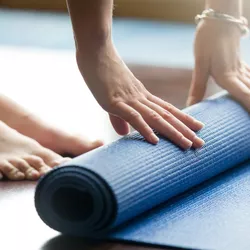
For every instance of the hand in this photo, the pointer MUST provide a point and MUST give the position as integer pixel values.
(217, 54)
(128, 102)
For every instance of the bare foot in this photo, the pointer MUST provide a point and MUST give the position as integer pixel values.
(48, 136)
(22, 157)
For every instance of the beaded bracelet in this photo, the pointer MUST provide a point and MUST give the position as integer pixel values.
(242, 22)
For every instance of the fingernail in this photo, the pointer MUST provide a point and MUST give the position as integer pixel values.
(153, 138)
(198, 142)
(189, 102)
(186, 144)
(199, 124)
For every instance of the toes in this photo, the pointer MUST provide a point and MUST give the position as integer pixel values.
(24, 167)
(59, 162)
(37, 163)
(85, 146)
(97, 144)
(78, 145)
(11, 172)
(50, 158)
(63, 160)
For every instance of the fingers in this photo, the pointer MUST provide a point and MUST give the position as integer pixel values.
(239, 90)
(157, 122)
(120, 126)
(198, 84)
(181, 127)
(247, 67)
(147, 116)
(135, 119)
(247, 73)
(188, 120)
(245, 79)
(244, 74)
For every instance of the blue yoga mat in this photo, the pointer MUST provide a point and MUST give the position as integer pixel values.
(159, 194)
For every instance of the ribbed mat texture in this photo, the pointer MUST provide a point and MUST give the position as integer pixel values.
(132, 190)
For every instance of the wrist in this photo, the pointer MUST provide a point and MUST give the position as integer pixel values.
(229, 7)
(92, 42)
(218, 30)
(91, 59)
(222, 27)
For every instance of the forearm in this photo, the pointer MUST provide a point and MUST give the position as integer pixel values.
(92, 23)
(230, 7)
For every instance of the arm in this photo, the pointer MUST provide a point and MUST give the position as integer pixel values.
(115, 87)
(92, 24)
(217, 54)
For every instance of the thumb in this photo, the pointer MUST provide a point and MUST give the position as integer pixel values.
(121, 127)
(198, 84)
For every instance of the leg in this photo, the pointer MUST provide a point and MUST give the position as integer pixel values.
(28, 124)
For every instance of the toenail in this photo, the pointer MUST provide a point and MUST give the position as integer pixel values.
(19, 175)
(33, 173)
(66, 159)
(45, 170)
(58, 162)
(98, 143)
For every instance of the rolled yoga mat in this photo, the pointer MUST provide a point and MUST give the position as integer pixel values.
(159, 194)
